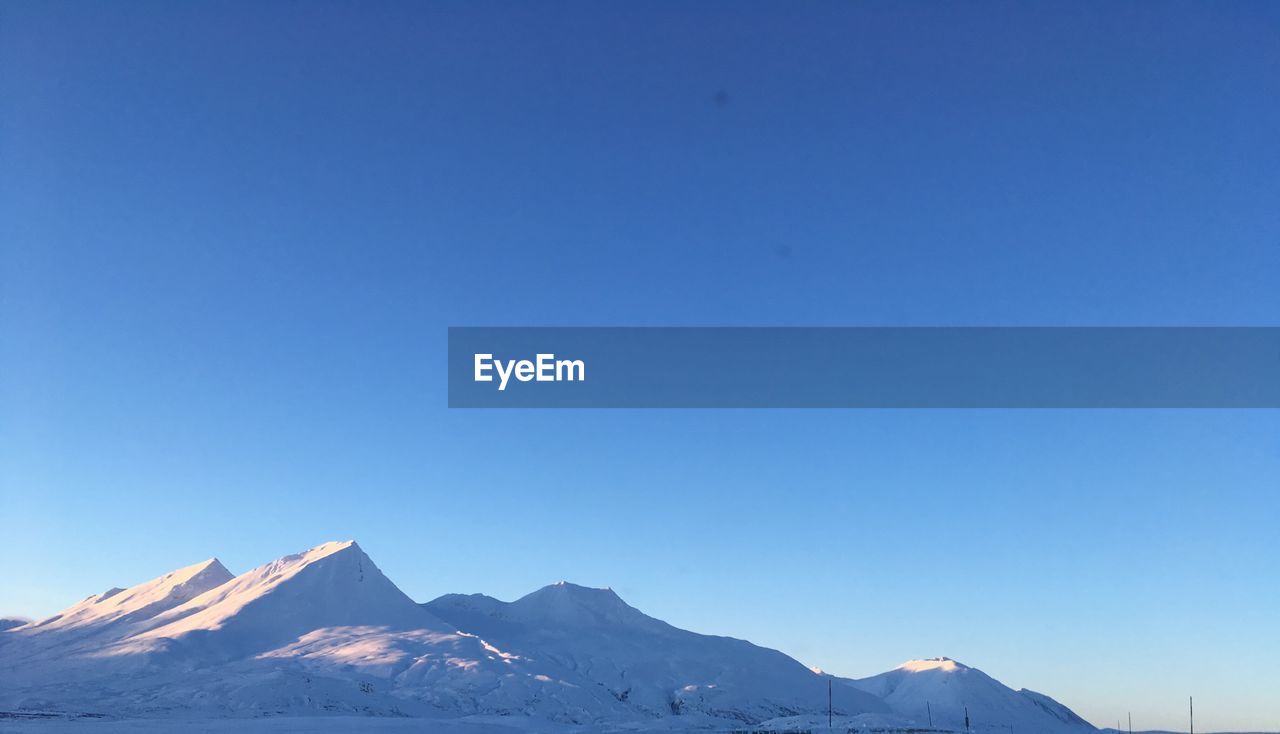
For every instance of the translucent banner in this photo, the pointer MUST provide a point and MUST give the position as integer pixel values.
(864, 367)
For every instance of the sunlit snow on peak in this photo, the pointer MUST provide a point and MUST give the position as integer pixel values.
(944, 664)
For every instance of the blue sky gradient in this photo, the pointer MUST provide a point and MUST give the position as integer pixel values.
(232, 236)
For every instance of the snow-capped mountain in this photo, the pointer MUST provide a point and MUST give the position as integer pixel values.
(98, 621)
(125, 606)
(325, 632)
(645, 662)
(942, 690)
(330, 586)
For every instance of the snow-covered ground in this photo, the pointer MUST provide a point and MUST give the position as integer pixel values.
(322, 640)
(277, 725)
(866, 724)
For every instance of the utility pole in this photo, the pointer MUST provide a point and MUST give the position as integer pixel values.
(1130, 722)
(828, 702)
(1191, 707)
(929, 708)
(966, 720)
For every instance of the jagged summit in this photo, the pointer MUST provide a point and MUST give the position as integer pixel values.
(570, 584)
(568, 587)
(946, 665)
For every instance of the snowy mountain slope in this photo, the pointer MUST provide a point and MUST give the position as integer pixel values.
(646, 662)
(322, 630)
(942, 688)
(325, 633)
(104, 618)
(331, 585)
(8, 623)
(136, 603)
(1056, 710)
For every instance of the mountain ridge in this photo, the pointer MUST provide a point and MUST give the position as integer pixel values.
(324, 630)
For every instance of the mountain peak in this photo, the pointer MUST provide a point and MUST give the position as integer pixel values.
(210, 569)
(331, 585)
(330, 631)
(324, 550)
(951, 694)
(569, 603)
(946, 665)
(141, 602)
(571, 588)
(577, 594)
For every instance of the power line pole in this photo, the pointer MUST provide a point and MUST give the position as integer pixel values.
(828, 702)
(1130, 722)
(1191, 707)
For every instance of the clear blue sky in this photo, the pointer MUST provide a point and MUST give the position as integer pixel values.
(232, 236)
